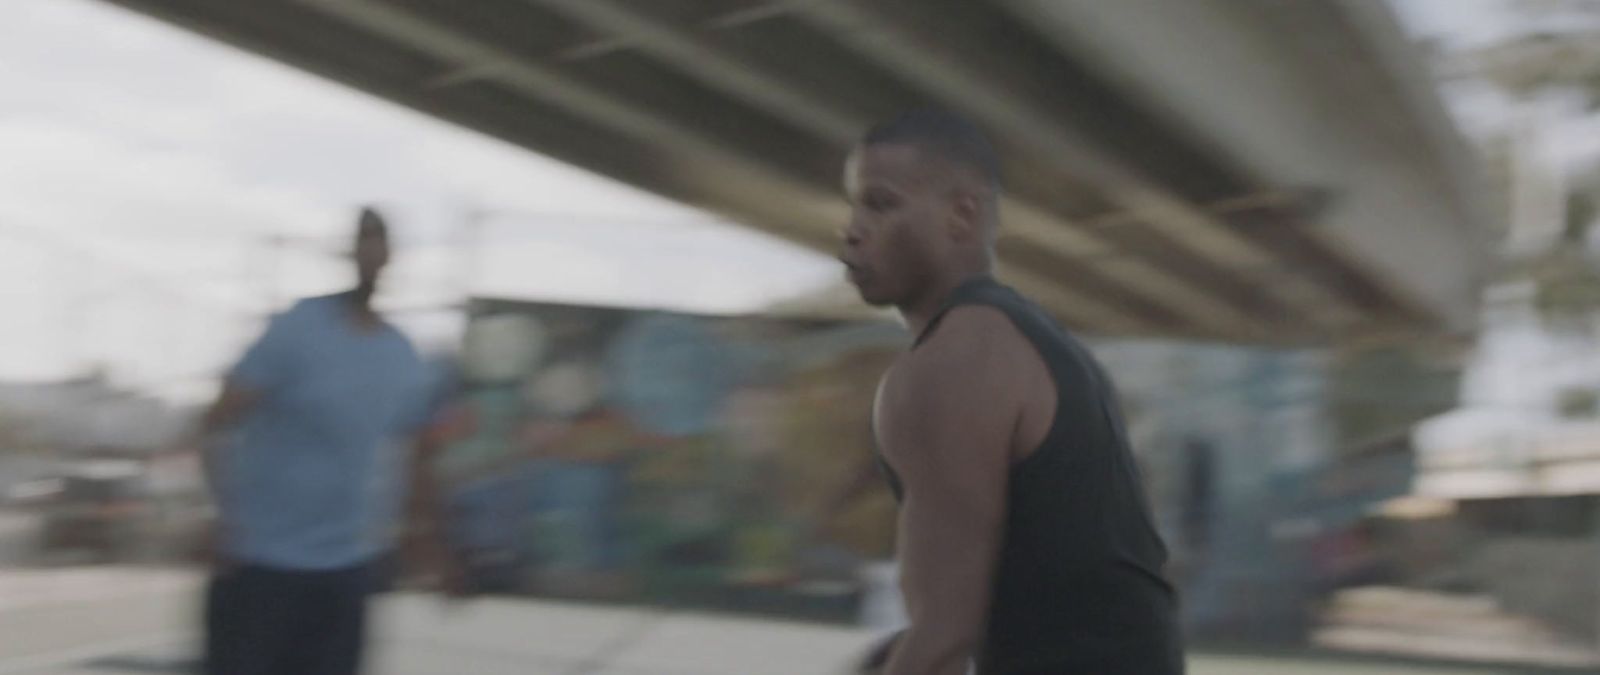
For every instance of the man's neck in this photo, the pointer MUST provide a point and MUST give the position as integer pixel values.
(921, 312)
(360, 304)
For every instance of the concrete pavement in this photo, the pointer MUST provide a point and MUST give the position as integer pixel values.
(108, 621)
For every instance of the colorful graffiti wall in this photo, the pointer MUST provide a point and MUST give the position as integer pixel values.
(651, 456)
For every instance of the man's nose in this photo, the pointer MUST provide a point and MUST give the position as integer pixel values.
(850, 234)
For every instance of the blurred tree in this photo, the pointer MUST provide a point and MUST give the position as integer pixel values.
(9, 440)
(15, 435)
(1534, 64)
(1579, 403)
(1375, 390)
(1560, 56)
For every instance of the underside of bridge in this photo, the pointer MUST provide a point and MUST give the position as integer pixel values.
(1243, 170)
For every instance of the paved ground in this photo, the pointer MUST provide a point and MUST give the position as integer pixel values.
(110, 621)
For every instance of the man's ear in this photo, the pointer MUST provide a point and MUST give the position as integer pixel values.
(851, 180)
(966, 215)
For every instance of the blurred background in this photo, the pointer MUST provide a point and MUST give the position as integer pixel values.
(1339, 256)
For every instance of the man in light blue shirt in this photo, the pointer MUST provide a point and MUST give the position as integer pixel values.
(320, 410)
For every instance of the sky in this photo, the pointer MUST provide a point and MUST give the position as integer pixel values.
(144, 169)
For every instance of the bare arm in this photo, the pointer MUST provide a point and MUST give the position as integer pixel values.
(425, 505)
(949, 414)
(231, 405)
(264, 368)
(863, 478)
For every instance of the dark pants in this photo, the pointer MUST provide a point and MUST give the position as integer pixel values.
(265, 621)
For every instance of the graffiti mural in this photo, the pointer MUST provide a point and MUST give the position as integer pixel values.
(652, 456)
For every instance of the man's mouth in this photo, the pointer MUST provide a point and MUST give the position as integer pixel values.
(854, 271)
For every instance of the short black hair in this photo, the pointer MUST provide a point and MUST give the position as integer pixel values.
(946, 134)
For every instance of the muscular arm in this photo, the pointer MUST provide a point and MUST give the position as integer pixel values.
(949, 412)
(864, 477)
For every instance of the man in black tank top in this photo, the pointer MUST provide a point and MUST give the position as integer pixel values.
(1025, 541)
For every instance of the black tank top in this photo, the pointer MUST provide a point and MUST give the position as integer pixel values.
(1079, 586)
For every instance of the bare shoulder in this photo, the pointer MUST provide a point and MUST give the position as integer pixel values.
(972, 364)
(956, 400)
(970, 340)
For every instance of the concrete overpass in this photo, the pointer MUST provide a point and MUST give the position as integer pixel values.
(1246, 170)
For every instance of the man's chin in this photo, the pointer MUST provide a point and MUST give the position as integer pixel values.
(867, 296)
(875, 301)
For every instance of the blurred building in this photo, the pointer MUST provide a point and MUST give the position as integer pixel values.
(88, 414)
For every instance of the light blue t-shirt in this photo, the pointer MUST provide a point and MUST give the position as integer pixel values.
(312, 480)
